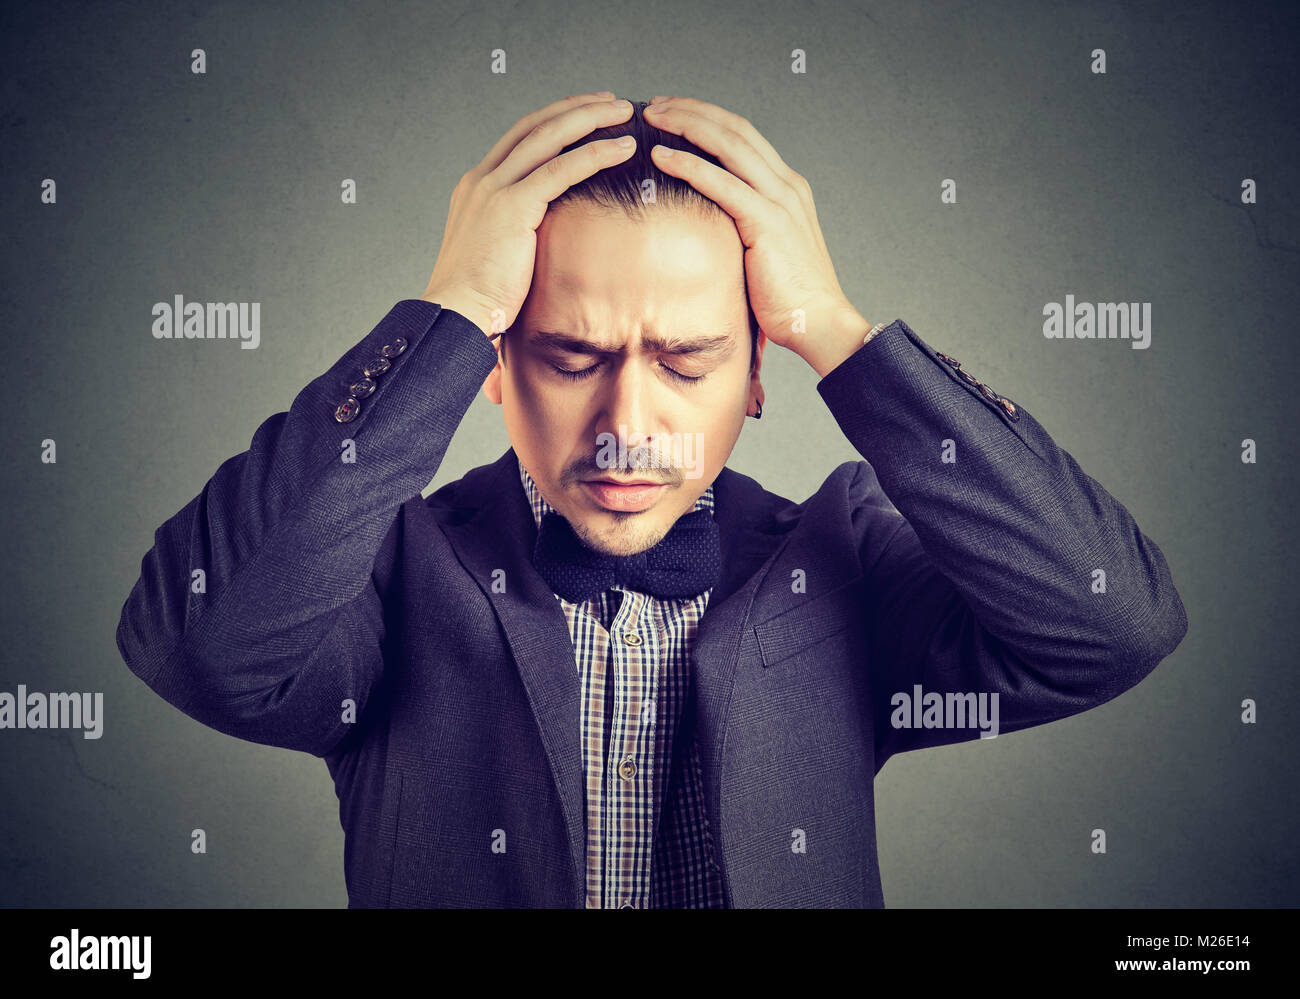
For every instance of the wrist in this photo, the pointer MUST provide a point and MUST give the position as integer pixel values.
(839, 338)
(461, 303)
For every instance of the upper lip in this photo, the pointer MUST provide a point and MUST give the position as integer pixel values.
(628, 482)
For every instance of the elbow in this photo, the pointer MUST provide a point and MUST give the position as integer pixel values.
(132, 643)
(1173, 627)
(1142, 649)
(1164, 630)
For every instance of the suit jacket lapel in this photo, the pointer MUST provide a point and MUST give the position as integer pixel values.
(751, 535)
(498, 532)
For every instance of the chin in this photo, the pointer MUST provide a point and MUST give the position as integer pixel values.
(622, 539)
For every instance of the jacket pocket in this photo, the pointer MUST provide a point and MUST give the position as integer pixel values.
(814, 620)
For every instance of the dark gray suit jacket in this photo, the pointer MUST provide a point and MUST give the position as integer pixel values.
(330, 583)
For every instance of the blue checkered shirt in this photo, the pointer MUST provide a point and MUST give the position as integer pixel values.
(648, 838)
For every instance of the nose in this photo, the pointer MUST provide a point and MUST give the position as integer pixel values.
(628, 410)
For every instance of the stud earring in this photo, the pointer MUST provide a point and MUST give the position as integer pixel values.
(759, 414)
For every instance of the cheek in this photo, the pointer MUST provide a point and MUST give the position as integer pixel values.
(540, 412)
(718, 419)
(524, 391)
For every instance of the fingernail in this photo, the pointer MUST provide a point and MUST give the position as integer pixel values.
(625, 141)
(604, 93)
(655, 100)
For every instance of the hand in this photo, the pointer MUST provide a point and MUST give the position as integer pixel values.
(787, 266)
(485, 264)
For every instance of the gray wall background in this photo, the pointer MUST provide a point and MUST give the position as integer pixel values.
(225, 187)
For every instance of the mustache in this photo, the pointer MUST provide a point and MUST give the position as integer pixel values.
(641, 459)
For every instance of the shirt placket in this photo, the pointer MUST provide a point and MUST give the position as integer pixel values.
(629, 770)
(594, 690)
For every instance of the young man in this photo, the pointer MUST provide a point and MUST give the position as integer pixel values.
(606, 670)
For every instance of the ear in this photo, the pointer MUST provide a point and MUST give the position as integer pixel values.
(755, 382)
(492, 384)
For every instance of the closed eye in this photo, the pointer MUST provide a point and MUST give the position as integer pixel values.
(579, 374)
(678, 376)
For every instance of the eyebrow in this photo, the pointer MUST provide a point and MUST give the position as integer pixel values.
(708, 344)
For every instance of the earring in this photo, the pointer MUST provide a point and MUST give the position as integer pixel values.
(759, 414)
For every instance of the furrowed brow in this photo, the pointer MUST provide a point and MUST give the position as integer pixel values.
(710, 344)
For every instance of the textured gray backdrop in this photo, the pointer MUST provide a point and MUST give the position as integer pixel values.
(225, 187)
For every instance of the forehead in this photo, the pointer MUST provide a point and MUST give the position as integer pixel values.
(607, 267)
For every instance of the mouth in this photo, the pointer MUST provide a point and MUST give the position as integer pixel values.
(624, 496)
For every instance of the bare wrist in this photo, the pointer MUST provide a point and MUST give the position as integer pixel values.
(838, 341)
(460, 303)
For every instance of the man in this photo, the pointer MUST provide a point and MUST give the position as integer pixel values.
(606, 670)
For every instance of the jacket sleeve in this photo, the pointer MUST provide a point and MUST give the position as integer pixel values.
(256, 611)
(995, 565)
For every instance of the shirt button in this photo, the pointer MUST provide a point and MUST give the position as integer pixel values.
(625, 905)
(631, 638)
(627, 769)
(347, 410)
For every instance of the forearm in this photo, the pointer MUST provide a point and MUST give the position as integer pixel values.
(285, 534)
(1012, 521)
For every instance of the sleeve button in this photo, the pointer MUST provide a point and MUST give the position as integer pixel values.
(988, 393)
(377, 367)
(362, 388)
(347, 410)
(391, 350)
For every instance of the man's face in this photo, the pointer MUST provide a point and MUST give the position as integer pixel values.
(631, 310)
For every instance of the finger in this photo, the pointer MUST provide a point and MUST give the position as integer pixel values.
(731, 148)
(746, 130)
(738, 124)
(525, 124)
(750, 209)
(544, 140)
(555, 176)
